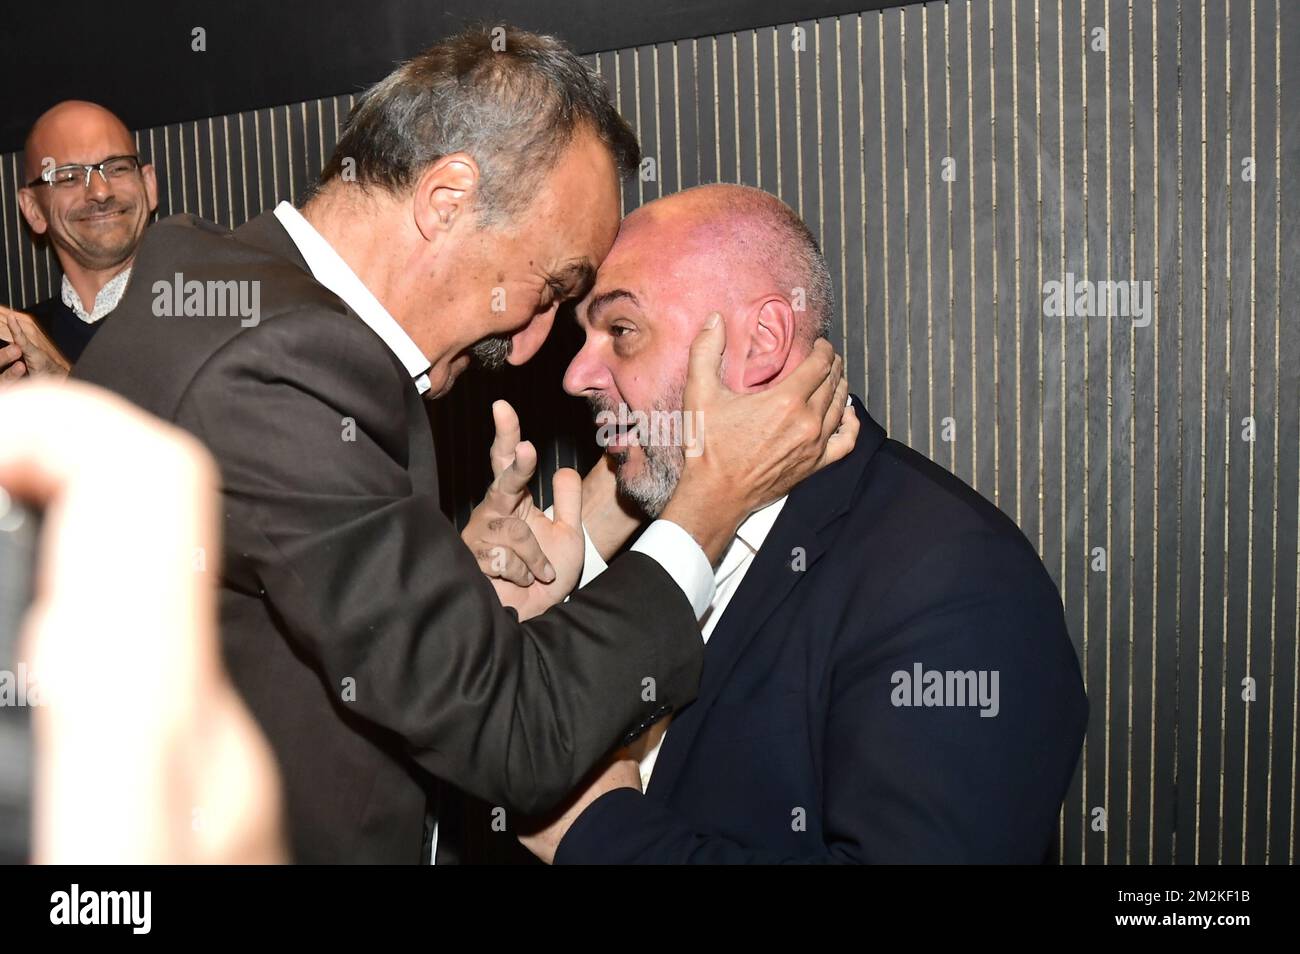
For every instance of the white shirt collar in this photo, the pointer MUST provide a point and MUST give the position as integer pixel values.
(747, 541)
(759, 524)
(328, 268)
(105, 301)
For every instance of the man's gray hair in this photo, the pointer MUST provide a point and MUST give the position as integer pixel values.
(511, 100)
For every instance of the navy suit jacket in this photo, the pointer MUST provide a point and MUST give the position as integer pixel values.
(798, 749)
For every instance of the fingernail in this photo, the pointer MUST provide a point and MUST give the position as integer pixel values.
(548, 573)
(712, 320)
(529, 578)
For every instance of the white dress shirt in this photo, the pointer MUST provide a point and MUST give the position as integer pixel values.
(735, 564)
(663, 541)
(328, 268)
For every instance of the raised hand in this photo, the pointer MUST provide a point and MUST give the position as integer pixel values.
(30, 353)
(754, 447)
(533, 561)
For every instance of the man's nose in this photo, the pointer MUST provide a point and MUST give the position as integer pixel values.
(98, 189)
(585, 373)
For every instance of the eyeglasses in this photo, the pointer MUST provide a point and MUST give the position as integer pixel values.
(67, 177)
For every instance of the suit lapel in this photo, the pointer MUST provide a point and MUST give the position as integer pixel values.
(795, 543)
(265, 232)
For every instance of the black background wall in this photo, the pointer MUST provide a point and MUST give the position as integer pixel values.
(1118, 158)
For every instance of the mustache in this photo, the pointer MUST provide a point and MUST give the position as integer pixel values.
(491, 353)
(100, 208)
(599, 405)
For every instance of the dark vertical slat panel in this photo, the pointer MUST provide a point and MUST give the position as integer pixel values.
(707, 108)
(1217, 449)
(1096, 342)
(853, 264)
(769, 109)
(184, 163)
(1238, 635)
(255, 129)
(1170, 472)
(1284, 808)
(963, 246)
(1050, 249)
(273, 159)
(939, 306)
(688, 113)
(728, 116)
(624, 86)
(1119, 399)
(1192, 342)
(222, 184)
(215, 173)
(21, 292)
(301, 143)
(897, 410)
(824, 163)
(1028, 293)
(313, 157)
(916, 361)
(1074, 579)
(8, 245)
(876, 230)
(810, 174)
(1142, 501)
(238, 168)
(747, 129)
(981, 173)
(235, 170)
(606, 65)
(788, 79)
(1007, 340)
(199, 170)
(167, 184)
(1263, 592)
(663, 116)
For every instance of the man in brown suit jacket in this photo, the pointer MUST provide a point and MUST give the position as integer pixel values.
(471, 193)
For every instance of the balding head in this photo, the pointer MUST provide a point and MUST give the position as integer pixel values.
(720, 248)
(74, 131)
(749, 237)
(95, 227)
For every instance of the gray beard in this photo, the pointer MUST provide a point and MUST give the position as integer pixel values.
(491, 353)
(655, 485)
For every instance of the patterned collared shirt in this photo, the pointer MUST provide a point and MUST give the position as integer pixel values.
(105, 301)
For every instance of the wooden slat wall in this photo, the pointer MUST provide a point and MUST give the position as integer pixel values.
(1119, 163)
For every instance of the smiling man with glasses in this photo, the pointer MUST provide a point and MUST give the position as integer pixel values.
(89, 193)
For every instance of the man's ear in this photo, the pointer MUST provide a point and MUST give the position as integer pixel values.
(771, 335)
(150, 177)
(444, 193)
(32, 211)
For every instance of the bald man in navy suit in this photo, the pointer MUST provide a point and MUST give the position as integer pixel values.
(888, 677)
